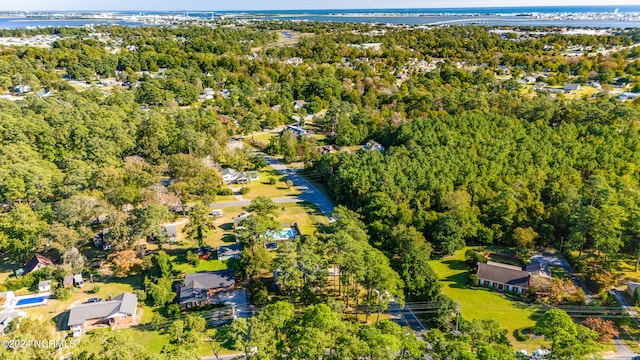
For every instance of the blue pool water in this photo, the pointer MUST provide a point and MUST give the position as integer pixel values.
(282, 234)
(30, 301)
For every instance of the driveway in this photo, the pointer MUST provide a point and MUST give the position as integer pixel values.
(548, 259)
(226, 204)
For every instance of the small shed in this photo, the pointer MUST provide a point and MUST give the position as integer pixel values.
(44, 285)
(218, 213)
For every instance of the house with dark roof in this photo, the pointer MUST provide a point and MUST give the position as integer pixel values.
(227, 252)
(37, 262)
(120, 312)
(201, 289)
(503, 277)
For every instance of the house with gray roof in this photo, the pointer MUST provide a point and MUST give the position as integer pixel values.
(201, 289)
(232, 176)
(8, 316)
(120, 311)
(503, 277)
(227, 252)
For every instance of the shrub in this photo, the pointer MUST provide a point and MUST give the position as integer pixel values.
(173, 310)
(142, 296)
(95, 289)
(62, 294)
(244, 190)
(224, 192)
(520, 335)
(20, 282)
(473, 280)
(605, 328)
(472, 258)
(272, 181)
(193, 258)
(259, 294)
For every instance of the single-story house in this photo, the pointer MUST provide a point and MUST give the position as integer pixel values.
(232, 251)
(296, 129)
(8, 316)
(73, 280)
(37, 262)
(299, 104)
(172, 231)
(373, 145)
(120, 311)
(569, 87)
(201, 288)
(22, 89)
(44, 285)
(232, 176)
(632, 286)
(628, 95)
(503, 277)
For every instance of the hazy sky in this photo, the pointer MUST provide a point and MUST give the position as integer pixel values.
(11, 5)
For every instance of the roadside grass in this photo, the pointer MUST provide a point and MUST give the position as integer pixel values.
(484, 303)
(149, 342)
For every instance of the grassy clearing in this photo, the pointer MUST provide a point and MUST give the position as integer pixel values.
(306, 215)
(483, 303)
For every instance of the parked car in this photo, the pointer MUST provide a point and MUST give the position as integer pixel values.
(94, 300)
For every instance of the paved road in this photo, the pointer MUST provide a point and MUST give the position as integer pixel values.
(223, 357)
(309, 192)
(405, 317)
(622, 349)
(226, 204)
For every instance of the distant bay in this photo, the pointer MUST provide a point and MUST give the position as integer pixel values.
(609, 16)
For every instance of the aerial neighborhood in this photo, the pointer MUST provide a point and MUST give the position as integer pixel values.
(406, 185)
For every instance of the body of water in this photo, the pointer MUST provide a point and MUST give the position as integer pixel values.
(27, 23)
(424, 16)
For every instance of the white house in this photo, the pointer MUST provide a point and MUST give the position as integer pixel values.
(44, 286)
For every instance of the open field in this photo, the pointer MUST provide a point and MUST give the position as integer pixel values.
(290, 39)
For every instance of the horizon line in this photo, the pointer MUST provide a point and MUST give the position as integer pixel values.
(339, 9)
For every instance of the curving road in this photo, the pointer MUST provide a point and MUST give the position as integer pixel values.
(309, 192)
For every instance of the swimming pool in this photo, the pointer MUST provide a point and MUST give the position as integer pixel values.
(32, 301)
(287, 233)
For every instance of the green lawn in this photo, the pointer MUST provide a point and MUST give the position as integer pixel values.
(150, 342)
(484, 303)
(204, 265)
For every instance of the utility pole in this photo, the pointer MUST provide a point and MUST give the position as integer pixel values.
(457, 318)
